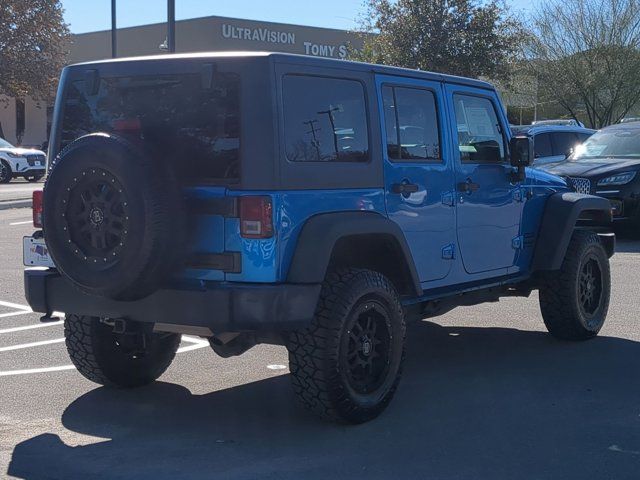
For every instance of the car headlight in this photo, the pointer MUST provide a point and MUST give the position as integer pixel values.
(14, 155)
(617, 179)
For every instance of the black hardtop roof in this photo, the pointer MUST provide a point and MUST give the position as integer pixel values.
(302, 60)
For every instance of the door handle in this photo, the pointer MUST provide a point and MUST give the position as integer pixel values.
(404, 188)
(468, 186)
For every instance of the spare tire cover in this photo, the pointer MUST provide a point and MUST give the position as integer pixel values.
(113, 220)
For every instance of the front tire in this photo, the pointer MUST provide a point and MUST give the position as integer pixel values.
(574, 301)
(347, 365)
(5, 172)
(117, 360)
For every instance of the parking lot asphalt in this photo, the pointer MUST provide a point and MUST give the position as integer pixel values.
(486, 394)
(17, 190)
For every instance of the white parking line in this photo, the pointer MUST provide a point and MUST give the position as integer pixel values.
(29, 345)
(21, 223)
(13, 314)
(15, 305)
(30, 327)
(37, 370)
(197, 344)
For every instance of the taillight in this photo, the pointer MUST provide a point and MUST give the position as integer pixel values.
(256, 217)
(37, 208)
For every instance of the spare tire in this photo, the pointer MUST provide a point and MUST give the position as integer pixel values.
(114, 221)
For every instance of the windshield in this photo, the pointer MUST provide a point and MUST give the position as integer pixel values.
(5, 144)
(609, 145)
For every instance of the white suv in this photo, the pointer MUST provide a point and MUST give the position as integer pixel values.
(21, 162)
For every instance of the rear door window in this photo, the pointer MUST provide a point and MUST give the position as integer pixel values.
(411, 121)
(325, 119)
(197, 127)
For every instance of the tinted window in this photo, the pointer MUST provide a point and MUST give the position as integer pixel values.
(542, 145)
(583, 137)
(564, 142)
(325, 120)
(199, 128)
(480, 137)
(411, 121)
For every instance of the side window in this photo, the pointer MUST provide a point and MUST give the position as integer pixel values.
(542, 145)
(563, 142)
(480, 138)
(325, 119)
(411, 121)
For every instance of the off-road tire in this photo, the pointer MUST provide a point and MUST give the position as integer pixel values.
(115, 222)
(92, 347)
(5, 172)
(317, 354)
(564, 302)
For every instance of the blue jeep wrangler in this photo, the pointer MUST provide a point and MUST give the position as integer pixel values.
(313, 203)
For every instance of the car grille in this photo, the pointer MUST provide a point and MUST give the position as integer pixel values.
(580, 185)
(32, 159)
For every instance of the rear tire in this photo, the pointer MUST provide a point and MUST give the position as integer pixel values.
(5, 172)
(347, 365)
(114, 360)
(574, 301)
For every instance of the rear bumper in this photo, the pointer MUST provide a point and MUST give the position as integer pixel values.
(225, 307)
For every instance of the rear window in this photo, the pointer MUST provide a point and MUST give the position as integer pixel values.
(198, 127)
(325, 119)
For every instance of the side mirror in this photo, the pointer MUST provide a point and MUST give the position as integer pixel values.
(521, 155)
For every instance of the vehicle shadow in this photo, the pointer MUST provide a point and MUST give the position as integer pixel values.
(474, 403)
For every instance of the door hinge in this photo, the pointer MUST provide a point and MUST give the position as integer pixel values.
(449, 251)
(517, 242)
(448, 199)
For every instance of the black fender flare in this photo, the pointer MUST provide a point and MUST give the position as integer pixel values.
(321, 232)
(561, 214)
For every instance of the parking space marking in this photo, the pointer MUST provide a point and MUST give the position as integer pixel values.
(30, 327)
(21, 223)
(37, 370)
(29, 345)
(13, 314)
(15, 305)
(197, 344)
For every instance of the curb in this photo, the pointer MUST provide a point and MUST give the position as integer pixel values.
(15, 204)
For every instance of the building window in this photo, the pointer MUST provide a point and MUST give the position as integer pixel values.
(325, 119)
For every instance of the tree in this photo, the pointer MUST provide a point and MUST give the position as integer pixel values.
(33, 41)
(586, 55)
(460, 37)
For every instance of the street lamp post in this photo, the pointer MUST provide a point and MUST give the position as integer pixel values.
(171, 26)
(114, 41)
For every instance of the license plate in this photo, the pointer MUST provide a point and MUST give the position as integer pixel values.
(38, 164)
(35, 253)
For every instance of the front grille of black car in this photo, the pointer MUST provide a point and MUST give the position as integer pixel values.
(32, 159)
(580, 185)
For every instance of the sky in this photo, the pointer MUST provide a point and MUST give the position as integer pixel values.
(91, 15)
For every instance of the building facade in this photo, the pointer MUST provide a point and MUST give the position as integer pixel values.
(27, 122)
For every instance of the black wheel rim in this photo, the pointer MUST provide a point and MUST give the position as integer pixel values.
(367, 347)
(590, 286)
(97, 217)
